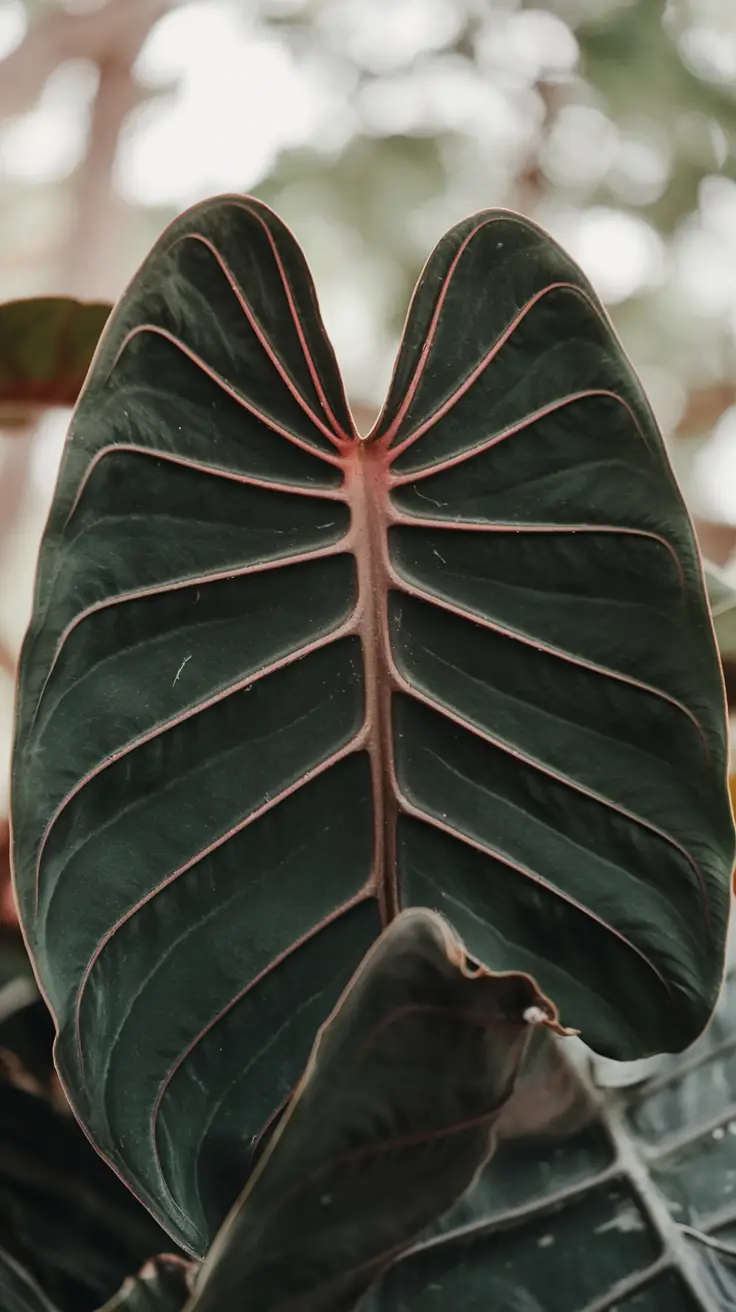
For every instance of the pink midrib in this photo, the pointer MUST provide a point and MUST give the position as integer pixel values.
(367, 493)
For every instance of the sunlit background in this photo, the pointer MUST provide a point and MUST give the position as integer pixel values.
(371, 126)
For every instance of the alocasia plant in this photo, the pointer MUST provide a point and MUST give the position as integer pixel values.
(282, 681)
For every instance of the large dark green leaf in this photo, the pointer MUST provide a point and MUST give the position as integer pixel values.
(388, 1127)
(630, 1209)
(46, 346)
(281, 681)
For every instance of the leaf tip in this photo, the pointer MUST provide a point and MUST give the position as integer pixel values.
(539, 1014)
(535, 1016)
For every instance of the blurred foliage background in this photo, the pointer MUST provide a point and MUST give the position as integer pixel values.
(371, 126)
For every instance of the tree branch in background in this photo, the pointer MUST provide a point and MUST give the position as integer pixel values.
(704, 407)
(59, 35)
(88, 264)
(530, 183)
(717, 541)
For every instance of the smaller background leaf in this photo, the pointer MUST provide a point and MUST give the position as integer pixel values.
(388, 1126)
(64, 1216)
(46, 346)
(161, 1286)
(18, 1292)
(623, 1202)
(722, 600)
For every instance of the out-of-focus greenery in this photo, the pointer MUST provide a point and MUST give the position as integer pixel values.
(612, 123)
(371, 125)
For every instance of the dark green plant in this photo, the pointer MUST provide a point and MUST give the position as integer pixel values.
(64, 1217)
(283, 684)
(46, 345)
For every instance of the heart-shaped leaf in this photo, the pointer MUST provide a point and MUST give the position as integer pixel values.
(389, 1125)
(46, 346)
(281, 681)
